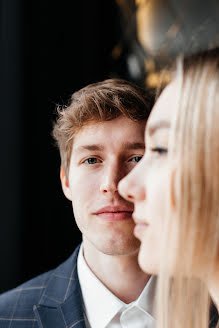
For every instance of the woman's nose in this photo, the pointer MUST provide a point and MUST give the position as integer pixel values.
(132, 186)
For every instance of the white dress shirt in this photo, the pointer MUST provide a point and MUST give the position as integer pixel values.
(104, 310)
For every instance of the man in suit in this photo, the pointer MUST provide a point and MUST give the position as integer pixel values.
(100, 136)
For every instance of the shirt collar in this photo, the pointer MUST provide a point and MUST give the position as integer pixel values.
(99, 300)
(96, 296)
(146, 299)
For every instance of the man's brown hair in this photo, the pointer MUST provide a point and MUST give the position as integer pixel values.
(98, 102)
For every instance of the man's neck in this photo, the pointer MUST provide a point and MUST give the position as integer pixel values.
(120, 274)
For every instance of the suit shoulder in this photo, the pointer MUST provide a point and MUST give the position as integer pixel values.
(17, 304)
(19, 301)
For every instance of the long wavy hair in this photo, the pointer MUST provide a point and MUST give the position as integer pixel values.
(191, 236)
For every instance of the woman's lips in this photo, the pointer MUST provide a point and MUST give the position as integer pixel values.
(139, 229)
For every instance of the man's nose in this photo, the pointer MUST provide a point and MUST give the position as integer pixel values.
(111, 179)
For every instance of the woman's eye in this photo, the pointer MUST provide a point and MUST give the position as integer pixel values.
(160, 150)
(92, 160)
(135, 159)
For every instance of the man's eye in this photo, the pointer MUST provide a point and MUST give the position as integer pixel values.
(160, 150)
(92, 160)
(135, 159)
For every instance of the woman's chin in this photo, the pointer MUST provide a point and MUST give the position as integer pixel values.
(148, 262)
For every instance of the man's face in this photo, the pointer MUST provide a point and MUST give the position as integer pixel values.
(102, 154)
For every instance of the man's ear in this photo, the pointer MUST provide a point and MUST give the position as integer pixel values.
(65, 184)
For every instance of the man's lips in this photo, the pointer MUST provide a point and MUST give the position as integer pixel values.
(114, 213)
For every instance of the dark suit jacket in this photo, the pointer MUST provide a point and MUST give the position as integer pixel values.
(51, 300)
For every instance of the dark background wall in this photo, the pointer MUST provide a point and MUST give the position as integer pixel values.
(48, 51)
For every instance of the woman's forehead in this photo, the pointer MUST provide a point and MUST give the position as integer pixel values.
(165, 105)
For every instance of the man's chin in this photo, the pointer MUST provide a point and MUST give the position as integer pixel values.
(118, 248)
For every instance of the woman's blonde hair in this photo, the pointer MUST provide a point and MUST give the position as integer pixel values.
(191, 237)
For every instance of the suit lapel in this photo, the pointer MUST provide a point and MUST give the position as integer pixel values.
(61, 304)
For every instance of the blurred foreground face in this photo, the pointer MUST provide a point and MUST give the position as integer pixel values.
(146, 185)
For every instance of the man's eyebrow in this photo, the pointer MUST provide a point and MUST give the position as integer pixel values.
(133, 145)
(92, 147)
(98, 147)
(153, 127)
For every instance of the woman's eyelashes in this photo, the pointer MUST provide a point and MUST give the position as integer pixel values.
(160, 150)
